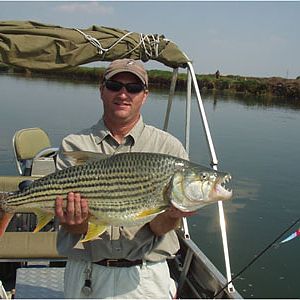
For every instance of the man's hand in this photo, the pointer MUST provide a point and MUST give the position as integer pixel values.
(168, 220)
(75, 217)
(174, 212)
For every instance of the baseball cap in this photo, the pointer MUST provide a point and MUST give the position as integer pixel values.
(127, 65)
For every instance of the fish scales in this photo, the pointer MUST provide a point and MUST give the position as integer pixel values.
(123, 190)
(101, 181)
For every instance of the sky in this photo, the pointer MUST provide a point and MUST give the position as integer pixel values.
(256, 38)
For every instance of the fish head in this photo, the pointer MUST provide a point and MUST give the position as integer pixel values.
(195, 186)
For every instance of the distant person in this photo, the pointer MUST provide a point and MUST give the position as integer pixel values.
(217, 74)
(125, 262)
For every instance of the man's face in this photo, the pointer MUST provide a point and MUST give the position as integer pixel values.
(122, 106)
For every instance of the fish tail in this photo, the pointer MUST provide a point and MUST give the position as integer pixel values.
(5, 217)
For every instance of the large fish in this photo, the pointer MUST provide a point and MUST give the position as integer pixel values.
(122, 189)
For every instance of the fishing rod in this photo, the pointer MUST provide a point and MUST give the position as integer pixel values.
(257, 257)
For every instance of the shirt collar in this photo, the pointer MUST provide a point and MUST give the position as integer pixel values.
(100, 131)
(137, 130)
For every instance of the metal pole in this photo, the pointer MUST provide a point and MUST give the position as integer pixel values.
(185, 268)
(214, 163)
(185, 228)
(188, 112)
(214, 160)
(170, 100)
(187, 137)
(3, 294)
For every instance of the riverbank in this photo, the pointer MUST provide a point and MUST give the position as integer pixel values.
(233, 84)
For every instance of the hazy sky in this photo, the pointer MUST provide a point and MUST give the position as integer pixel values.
(243, 38)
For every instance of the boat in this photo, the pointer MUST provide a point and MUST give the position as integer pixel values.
(35, 267)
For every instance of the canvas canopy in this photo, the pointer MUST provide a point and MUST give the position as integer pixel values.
(39, 46)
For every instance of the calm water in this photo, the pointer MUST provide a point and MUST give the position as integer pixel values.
(258, 143)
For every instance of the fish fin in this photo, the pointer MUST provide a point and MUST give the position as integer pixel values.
(81, 157)
(4, 221)
(94, 230)
(150, 212)
(43, 218)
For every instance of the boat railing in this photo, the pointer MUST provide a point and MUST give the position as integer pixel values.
(192, 82)
(190, 265)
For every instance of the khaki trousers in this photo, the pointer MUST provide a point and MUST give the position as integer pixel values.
(151, 280)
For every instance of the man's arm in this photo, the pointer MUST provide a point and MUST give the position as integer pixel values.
(168, 220)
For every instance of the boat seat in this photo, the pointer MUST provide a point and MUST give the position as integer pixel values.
(34, 157)
(33, 152)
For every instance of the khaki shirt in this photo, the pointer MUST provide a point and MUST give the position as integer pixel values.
(132, 243)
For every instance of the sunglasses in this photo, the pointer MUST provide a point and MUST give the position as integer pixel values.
(116, 86)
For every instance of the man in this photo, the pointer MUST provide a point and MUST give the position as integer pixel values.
(125, 262)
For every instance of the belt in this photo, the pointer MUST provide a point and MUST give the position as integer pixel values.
(120, 263)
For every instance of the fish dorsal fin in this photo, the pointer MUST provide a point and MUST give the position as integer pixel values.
(94, 230)
(82, 157)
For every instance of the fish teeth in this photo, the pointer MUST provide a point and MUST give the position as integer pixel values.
(225, 180)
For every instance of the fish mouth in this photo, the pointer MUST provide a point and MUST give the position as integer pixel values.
(220, 190)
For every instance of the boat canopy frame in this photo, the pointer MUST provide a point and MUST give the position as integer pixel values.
(192, 82)
(37, 46)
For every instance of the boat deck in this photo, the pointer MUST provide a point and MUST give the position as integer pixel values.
(40, 282)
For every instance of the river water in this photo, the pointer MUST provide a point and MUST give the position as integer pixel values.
(256, 140)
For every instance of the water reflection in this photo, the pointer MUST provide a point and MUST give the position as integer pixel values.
(214, 96)
(246, 188)
(253, 101)
(65, 81)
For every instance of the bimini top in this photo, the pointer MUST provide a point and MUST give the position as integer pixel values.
(40, 46)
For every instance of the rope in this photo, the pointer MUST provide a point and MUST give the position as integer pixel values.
(257, 256)
(150, 47)
(98, 45)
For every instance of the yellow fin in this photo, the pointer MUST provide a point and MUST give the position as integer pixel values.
(43, 218)
(81, 157)
(150, 212)
(94, 230)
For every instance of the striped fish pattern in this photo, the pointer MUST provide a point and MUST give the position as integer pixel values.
(123, 189)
